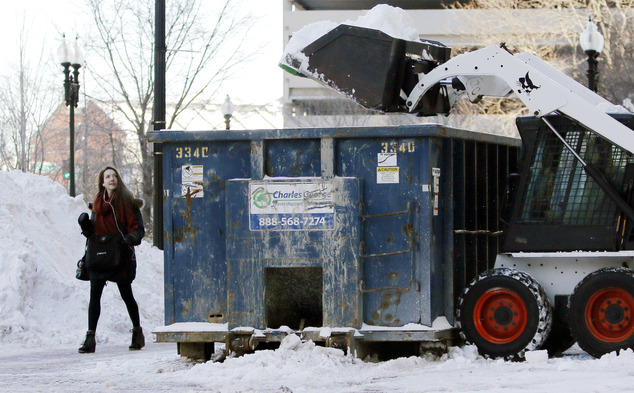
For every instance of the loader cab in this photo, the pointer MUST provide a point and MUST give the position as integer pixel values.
(555, 205)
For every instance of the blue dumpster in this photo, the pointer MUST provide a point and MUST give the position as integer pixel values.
(342, 235)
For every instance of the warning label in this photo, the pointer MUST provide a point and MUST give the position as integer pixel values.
(192, 181)
(387, 168)
(387, 174)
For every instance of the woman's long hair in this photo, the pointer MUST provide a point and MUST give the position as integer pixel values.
(122, 194)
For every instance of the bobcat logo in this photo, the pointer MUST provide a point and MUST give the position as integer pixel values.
(526, 85)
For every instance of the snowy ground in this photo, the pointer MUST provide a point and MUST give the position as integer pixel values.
(43, 320)
(305, 369)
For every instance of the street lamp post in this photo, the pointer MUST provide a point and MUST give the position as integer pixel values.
(227, 111)
(592, 43)
(71, 56)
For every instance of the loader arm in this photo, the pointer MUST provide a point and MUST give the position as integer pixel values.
(542, 88)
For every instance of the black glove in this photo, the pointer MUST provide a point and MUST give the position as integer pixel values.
(85, 224)
(131, 239)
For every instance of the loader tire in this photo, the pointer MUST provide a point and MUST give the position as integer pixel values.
(602, 311)
(504, 312)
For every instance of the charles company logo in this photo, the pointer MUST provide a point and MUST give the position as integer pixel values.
(261, 198)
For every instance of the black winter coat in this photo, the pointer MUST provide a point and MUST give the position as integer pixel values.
(127, 270)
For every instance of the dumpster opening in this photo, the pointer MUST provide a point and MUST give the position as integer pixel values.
(294, 297)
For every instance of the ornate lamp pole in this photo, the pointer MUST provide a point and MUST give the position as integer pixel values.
(71, 56)
(227, 111)
(592, 43)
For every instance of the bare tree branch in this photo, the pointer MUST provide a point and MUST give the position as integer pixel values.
(202, 48)
(26, 98)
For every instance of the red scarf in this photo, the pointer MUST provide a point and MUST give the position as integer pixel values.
(104, 219)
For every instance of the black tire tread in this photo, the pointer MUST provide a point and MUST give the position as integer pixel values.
(576, 306)
(543, 304)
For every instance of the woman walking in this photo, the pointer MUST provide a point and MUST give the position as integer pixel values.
(115, 212)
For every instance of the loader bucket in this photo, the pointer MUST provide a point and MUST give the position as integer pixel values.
(371, 67)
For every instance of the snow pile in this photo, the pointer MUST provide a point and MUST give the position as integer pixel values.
(393, 21)
(40, 299)
(301, 39)
(305, 367)
(295, 366)
(294, 363)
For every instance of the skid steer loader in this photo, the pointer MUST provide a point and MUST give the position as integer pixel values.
(564, 270)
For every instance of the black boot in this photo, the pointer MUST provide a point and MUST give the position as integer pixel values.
(138, 340)
(89, 344)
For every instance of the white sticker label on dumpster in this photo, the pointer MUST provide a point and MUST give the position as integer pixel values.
(435, 172)
(291, 206)
(387, 174)
(387, 168)
(192, 181)
(387, 159)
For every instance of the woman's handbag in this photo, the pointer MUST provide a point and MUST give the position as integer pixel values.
(104, 252)
(82, 273)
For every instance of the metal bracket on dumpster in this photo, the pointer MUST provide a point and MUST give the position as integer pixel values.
(340, 340)
(477, 232)
(244, 340)
(407, 211)
(408, 208)
(327, 158)
(396, 213)
(409, 288)
(240, 342)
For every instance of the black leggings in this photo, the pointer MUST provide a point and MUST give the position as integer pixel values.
(94, 307)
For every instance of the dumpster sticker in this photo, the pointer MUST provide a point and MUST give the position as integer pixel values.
(387, 175)
(387, 159)
(435, 172)
(387, 168)
(285, 206)
(192, 181)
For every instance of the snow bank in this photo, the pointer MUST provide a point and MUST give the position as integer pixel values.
(41, 302)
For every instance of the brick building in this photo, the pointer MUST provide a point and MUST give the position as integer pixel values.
(99, 141)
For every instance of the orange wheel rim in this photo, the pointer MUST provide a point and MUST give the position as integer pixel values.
(608, 314)
(500, 316)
